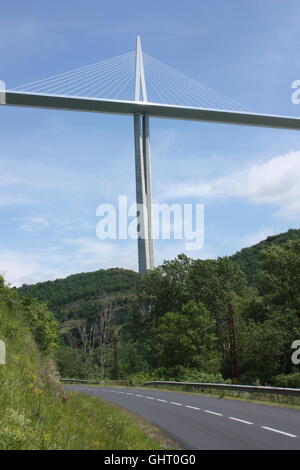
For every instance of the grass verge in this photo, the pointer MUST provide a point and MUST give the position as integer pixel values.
(258, 398)
(87, 423)
(37, 414)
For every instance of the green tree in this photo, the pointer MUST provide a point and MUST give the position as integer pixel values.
(42, 323)
(278, 278)
(186, 338)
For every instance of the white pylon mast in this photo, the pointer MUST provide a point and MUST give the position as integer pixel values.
(143, 169)
(140, 83)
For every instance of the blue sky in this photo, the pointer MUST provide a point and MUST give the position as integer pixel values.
(57, 167)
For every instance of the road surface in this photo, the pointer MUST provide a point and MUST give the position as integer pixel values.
(199, 422)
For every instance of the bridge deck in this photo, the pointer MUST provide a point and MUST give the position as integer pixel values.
(153, 109)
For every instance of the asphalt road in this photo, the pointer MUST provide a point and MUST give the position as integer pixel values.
(198, 422)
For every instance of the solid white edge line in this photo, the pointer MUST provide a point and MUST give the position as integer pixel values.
(279, 432)
(240, 420)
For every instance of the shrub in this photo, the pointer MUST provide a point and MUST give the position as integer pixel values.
(290, 380)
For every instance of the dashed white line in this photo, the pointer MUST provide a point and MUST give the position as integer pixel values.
(240, 420)
(279, 432)
(213, 412)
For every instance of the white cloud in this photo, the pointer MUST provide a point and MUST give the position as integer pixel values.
(82, 254)
(91, 253)
(19, 268)
(8, 200)
(274, 182)
(33, 224)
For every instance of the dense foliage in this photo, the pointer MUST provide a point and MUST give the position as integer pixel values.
(174, 322)
(249, 258)
(66, 294)
(35, 412)
(267, 317)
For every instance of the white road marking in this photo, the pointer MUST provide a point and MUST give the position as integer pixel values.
(240, 420)
(212, 412)
(279, 432)
(192, 408)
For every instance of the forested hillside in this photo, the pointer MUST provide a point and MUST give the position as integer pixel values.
(248, 258)
(79, 292)
(174, 322)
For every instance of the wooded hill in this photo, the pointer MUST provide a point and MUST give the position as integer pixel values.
(64, 296)
(248, 258)
(173, 322)
(79, 292)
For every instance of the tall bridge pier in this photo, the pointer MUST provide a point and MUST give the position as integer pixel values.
(143, 170)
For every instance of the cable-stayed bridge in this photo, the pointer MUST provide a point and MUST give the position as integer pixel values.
(138, 84)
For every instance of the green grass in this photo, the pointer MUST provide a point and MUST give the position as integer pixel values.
(259, 398)
(35, 412)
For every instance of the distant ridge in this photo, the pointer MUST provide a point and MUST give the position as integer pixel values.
(81, 292)
(248, 258)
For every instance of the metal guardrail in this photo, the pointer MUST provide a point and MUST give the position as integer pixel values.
(293, 392)
(94, 382)
(79, 381)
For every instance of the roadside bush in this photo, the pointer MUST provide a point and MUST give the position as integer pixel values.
(290, 380)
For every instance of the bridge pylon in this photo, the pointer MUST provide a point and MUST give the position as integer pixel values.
(143, 170)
